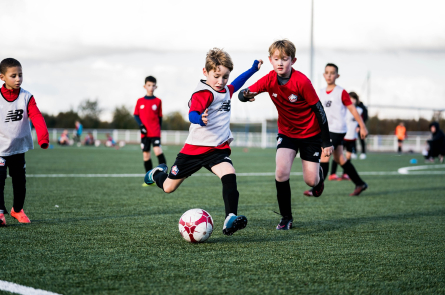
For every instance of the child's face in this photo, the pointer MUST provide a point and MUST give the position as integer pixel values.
(282, 64)
(150, 87)
(330, 75)
(354, 101)
(433, 129)
(217, 79)
(13, 77)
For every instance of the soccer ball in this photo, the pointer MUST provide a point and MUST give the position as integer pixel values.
(196, 225)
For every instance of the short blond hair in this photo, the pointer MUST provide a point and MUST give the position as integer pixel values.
(218, 57)
(285, 47)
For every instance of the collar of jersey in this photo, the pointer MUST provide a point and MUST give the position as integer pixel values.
(222, 91)
(291, 72)
(10, 93)
(149, 97)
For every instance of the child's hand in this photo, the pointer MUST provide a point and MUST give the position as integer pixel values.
(363, 133)
(327, 151)
(44, 146)
(204, 116)
(260, 62)
(249, 95)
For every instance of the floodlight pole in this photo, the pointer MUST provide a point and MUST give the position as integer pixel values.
(311, 73)
(368, 88)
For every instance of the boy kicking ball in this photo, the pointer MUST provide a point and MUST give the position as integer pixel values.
(336, 102)
(208, 143)
(17, 106)
(302, 125)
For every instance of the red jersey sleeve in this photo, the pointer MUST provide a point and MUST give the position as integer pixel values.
(136, 109)
(160, 108)
(231, 89)
(345, 98)
(309, 93)
(200, 101)
(260, 85)
(39, 123)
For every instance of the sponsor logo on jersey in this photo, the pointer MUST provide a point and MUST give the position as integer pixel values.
(156, 141)
(279, 140)
(274, 95)
(225, 106)
(328, 103)
(2, 162)
(13, 116)
(154, 107)
(316, 154)
(142, 106)
(293, 98)
(227, 158)
(175, 170)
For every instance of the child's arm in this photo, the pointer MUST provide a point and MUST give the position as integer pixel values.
(358, 118)
(199, 103)
(39, 123)
(241, 79)
(249, 93)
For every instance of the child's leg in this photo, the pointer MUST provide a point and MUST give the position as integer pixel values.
(148, 164)
(311, 172)
(347, 166)
(17, 171)
(159, 154)
(2, 184)
(226, 172)
(334, 168)
(284, 160)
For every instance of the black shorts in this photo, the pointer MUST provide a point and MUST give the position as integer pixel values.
(350, 146)
(337, 139)
(15, 163)
(399, 140)
(310, 148)
(146, 142)
(186, 165)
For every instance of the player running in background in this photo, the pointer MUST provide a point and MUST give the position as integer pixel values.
(17, 107)
(148, 114)
(365, 119)
(350, 140)
(337, 103)
(401, 135)
(208, 142)
(302, 125)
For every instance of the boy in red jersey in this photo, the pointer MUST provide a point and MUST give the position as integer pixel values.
(336, 102)
(148, 114)
(17, 107)
(208, 143)
(302, 125)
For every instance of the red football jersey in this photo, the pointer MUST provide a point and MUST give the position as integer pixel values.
(149, 111)
(292, 100)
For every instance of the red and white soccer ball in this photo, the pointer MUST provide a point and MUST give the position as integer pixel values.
(196, 225)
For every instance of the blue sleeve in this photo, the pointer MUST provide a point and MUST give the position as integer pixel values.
(80, 129)
(241, 79)
(138, 120)
(195, 118)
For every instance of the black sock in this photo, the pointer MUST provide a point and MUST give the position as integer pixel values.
(230, 193)
(2, 188)
(19, 187)
(363, 144)
(161, 159)
(352, 173)
(399, 149)
(284, 198)
(325, 167)
(333, 168)
(159, 177)
(148, 165)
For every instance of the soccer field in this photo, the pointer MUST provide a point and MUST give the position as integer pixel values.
(110, 235)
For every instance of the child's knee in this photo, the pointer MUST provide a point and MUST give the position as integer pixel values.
(282, 174)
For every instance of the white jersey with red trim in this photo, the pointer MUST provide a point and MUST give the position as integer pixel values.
(217, 131)
(335, 109)
(352, 124)
(15, 131)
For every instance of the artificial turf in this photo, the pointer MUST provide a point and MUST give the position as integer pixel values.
(104, 235)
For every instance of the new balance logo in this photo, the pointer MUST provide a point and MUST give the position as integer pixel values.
(274, 95)
(225, 106)
(328, 103)
(316, 154)
(16, 115)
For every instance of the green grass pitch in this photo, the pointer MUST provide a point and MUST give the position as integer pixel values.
(113, 236)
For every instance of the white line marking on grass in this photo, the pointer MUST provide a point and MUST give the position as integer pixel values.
(19, 289)
(401, 171)
(406, 170)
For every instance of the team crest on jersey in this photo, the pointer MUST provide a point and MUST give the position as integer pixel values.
(225, 106)
(13, 116)
(328, 103)
(154, 107)
(2, 162)
(142, 106)
(293, 98)
(175, 170)
(279, 140)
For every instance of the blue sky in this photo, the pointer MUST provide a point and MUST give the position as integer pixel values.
(103, 49)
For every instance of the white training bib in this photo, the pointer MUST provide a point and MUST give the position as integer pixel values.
(15, 131)
(335, 109)
(352, 124)
(217, 131)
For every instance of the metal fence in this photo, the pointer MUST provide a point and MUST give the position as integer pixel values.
(374, 143)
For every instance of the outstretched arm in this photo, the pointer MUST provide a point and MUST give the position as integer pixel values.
(39, 123)
(241, 79)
